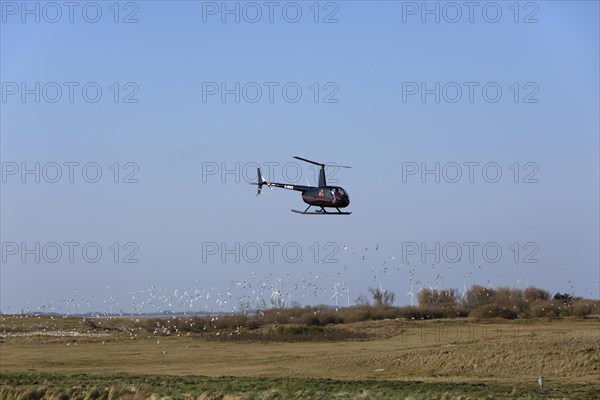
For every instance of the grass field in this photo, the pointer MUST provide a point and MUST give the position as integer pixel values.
(437, 359)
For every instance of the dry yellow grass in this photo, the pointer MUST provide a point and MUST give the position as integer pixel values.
(506, 352)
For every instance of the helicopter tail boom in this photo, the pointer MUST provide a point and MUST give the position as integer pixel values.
(262, 181)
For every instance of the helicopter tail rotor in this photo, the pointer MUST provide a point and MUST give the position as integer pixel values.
(261, 181)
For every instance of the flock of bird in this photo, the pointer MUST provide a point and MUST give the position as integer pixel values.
(337, 284)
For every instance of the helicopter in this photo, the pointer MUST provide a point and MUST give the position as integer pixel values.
(321, 196)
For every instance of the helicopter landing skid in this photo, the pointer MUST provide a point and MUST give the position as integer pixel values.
(321, 212)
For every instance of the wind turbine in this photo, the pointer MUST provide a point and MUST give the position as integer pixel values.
(336, 294)
(276, 298)
(464, 288)
(410, 293)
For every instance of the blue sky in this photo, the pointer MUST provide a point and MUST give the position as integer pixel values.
(545, 125)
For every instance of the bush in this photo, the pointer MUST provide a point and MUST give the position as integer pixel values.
(493, 311)
(432, 311)
(309, 319)
(356, 314)
(297, 330)
(382, 298)
(377, 313)
(581, 308)
(434, 296)
(478, 296)
(327, 317)
(566, 298)
(532, 294)
(511, 298)
(548, 309)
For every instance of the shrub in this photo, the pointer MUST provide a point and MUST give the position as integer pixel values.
(448, 296)
(493, 311)
(434, 296)
(566, 298)
(378, 313)
(356, 314)
(327, 317)
(297, 330)
(532, 294)
(362, 300)
(581, 308)
(432, 311)
(382, 298)
(547, 308)
(511, 298)
(478, 296)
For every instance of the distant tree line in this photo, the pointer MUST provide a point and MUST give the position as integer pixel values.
(479, 301)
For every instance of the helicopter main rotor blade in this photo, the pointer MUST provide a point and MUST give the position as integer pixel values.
(309, 161)
(321, 165)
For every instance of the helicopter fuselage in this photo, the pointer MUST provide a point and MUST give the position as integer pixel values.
(326, 196)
